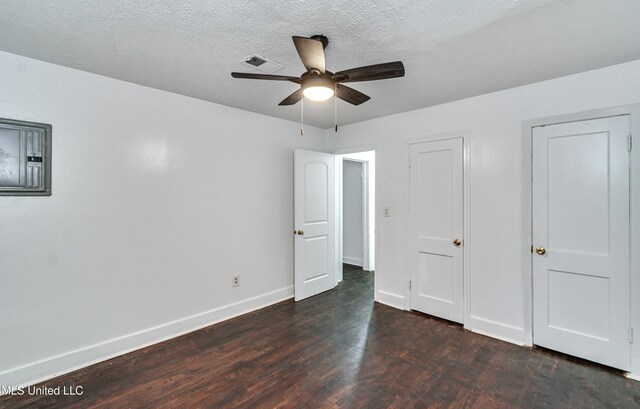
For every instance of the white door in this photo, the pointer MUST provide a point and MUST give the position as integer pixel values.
(313, 223)
(436, 216)
(581, 239)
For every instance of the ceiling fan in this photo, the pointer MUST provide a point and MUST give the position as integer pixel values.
(318, 84)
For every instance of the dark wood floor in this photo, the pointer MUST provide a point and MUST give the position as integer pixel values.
(338, 349)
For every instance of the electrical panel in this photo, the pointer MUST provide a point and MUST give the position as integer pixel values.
(25, 158)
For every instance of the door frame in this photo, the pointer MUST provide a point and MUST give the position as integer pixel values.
(365, 214)
(527, 260)
(466, 218)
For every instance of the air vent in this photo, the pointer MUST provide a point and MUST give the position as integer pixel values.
(255, 61)
(261, 64)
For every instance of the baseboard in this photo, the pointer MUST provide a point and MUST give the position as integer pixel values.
(352, 260)
(390, 299)
(64, 363)
(493, 329)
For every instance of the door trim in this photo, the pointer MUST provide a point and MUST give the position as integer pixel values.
(466, 219)
(527, 259)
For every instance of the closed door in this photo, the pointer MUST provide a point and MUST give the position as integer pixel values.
(581, 239)
(436, 228)
(314, 229)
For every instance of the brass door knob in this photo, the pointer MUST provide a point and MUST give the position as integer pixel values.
(540, 250)
(457, 242)
(300, 232)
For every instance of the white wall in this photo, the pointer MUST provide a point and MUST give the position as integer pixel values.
(158, 199)
(493, 123)
(352, 230)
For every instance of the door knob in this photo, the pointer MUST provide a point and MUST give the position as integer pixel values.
(540, 250)
(457, 242)
(300, 232)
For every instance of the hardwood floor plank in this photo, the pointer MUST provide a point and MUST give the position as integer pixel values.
(339, 350)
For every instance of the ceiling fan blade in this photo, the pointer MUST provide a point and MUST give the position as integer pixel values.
(311, 52)
(372, 72)
(252, 76)
(293, 98)
(350, 95)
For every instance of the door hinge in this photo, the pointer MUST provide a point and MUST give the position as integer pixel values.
(629, 142)
(630, 335)
(409, 283)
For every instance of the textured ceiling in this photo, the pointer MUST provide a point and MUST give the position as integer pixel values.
(451, 49)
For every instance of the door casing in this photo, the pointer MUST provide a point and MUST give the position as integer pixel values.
(527, 260)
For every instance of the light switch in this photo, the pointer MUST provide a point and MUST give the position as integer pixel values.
(387, 212)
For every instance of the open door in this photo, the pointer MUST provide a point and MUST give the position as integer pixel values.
(314, 229)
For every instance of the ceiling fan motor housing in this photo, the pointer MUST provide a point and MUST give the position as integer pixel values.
(323, 39)
(314, 78)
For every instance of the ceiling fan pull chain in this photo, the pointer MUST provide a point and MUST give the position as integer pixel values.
(302, 117)
(335, 104)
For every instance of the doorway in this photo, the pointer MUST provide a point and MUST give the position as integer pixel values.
(318, 219)
(355, 210)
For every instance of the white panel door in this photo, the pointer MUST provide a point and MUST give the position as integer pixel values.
(581, 239)
(436, 228)
(313, 223)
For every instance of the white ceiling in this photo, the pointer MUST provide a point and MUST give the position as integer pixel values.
(451, 49)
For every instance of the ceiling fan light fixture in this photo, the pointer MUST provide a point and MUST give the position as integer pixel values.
(318, 88)
(318, 92)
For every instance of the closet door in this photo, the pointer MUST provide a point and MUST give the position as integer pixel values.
(436, 220)
(581, 239)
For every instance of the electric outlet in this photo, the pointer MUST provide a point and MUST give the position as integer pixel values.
(235, 281)
(387, 212)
